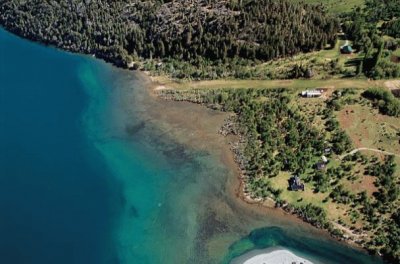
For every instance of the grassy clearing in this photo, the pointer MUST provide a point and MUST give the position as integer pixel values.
(326, 63)
(300, 197)
(292, 84)
(335, 211)
(337, 6)
(370, 129)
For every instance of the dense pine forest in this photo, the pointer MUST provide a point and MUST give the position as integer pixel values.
(200, 34)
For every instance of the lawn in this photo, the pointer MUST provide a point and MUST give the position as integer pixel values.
(335, 211)
(299, 197)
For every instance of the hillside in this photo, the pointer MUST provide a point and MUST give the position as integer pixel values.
(201, 35)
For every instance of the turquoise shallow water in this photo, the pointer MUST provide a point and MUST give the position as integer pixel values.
(310, 248)
(91, 172)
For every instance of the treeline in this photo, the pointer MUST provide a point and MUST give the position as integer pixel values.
(312, 214)
(361, 26)
(382, 9)
(389, 189)
(199, 32)
(392, 28)
(388, 230)
(387, 103)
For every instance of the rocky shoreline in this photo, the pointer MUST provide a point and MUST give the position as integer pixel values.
(230, 128)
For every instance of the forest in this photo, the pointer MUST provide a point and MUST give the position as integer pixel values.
(366, 27)
(201, 35)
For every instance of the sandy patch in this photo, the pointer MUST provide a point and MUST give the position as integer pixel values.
(276, 256)
(160, 87)
(393, 84)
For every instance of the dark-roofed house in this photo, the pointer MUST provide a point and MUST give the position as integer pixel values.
(320, 165)
(295, 184)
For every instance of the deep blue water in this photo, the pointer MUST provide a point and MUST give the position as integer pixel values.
(54, 197)
(84, 176)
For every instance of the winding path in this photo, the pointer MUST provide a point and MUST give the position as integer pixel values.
(370, 149)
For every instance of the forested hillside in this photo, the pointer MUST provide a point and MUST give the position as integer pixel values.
(374, 30)
(199, 32)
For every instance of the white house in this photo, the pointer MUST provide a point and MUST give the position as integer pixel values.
(311, 93)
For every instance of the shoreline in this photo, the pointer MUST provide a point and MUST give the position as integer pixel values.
(270, 255)
(237, 186)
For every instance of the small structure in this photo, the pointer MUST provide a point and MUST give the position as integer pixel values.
(309, 73)
(327, 151)
(346, 49)
(320, 165)
(295, 184)
(311, 93)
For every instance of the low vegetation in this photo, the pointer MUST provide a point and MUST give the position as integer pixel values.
(384, 100)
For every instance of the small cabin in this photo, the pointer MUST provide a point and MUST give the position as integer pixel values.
(320, 165)
(295, 184)
(311, 93)
(327, 151)
(347, 49)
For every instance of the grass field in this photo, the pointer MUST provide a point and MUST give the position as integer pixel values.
(335, 211)
(370, 129)
(325, 63)
(337, 6)
(293, 84)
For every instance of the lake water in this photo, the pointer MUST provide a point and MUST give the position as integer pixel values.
(95, 170)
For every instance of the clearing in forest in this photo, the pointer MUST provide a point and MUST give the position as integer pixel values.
(369, 129)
